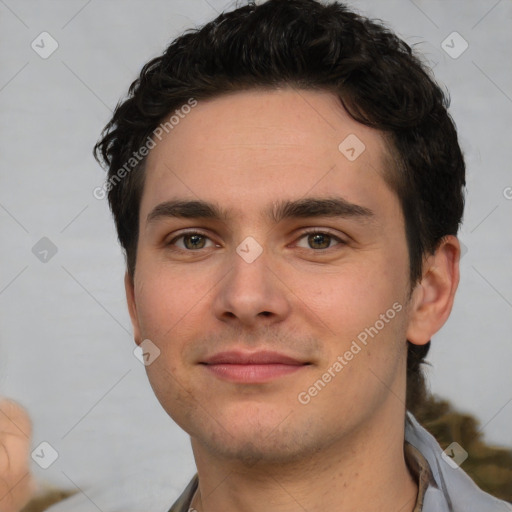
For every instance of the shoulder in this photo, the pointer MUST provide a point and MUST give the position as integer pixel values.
(451, 489)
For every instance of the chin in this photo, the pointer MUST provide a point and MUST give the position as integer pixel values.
(256, 449)
(277, 439)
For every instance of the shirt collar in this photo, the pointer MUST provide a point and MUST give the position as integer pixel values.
(421, 472)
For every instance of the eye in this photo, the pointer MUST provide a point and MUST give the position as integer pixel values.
(318, 240)
(192, 241)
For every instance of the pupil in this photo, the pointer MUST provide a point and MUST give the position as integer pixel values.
(194, 242)
(320, 240)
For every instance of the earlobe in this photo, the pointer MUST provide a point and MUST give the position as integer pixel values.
(433, 296)
(132, 307)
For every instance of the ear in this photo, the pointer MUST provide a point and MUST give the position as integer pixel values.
(132, 307)
(432, 298)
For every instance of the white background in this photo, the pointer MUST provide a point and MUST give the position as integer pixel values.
(65, 336)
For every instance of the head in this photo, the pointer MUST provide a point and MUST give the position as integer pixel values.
(306, 76)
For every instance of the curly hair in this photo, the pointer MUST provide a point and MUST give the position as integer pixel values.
(309, 46)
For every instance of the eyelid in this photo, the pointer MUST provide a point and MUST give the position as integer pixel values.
(321, 231)
(190, 231)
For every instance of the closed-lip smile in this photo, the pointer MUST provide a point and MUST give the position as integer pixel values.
(252, 367)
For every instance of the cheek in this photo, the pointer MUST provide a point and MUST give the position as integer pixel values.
(354, 295)
(168, 308)
(164, 301)
(359, 312)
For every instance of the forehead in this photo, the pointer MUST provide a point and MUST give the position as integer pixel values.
(256, 146)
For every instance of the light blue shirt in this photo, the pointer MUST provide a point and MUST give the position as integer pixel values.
(455, 491)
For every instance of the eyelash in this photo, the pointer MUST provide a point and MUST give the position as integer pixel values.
(313, 231)
(302, 235)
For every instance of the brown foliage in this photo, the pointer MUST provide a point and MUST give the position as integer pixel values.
(46, 499)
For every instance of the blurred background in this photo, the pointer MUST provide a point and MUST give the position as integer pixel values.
(66, 349)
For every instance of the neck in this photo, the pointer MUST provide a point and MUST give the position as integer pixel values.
(365, 470)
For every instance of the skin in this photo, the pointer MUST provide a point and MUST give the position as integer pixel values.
(16, 483)
(256, 444)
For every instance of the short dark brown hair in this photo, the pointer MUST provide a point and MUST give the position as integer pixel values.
(309, 46)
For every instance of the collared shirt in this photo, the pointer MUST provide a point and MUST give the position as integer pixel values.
(442, 487)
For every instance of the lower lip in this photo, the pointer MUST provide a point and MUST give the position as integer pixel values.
(252, 373)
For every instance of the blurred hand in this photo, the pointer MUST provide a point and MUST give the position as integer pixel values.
(16, 482)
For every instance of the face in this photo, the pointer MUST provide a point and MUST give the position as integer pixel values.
(272, 275)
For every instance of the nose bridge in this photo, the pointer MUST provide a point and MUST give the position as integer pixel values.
(249, 266)
(250, 289)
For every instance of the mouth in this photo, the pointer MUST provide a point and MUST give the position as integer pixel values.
(252, 368)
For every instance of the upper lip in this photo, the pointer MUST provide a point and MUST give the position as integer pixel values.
(261, 357)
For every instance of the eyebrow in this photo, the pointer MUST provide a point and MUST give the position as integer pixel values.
(280, 210)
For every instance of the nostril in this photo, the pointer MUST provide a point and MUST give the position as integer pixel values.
(265, 313)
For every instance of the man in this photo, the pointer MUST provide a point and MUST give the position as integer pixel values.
(287, 185)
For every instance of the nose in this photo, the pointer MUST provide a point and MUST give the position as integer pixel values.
(251, 294)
